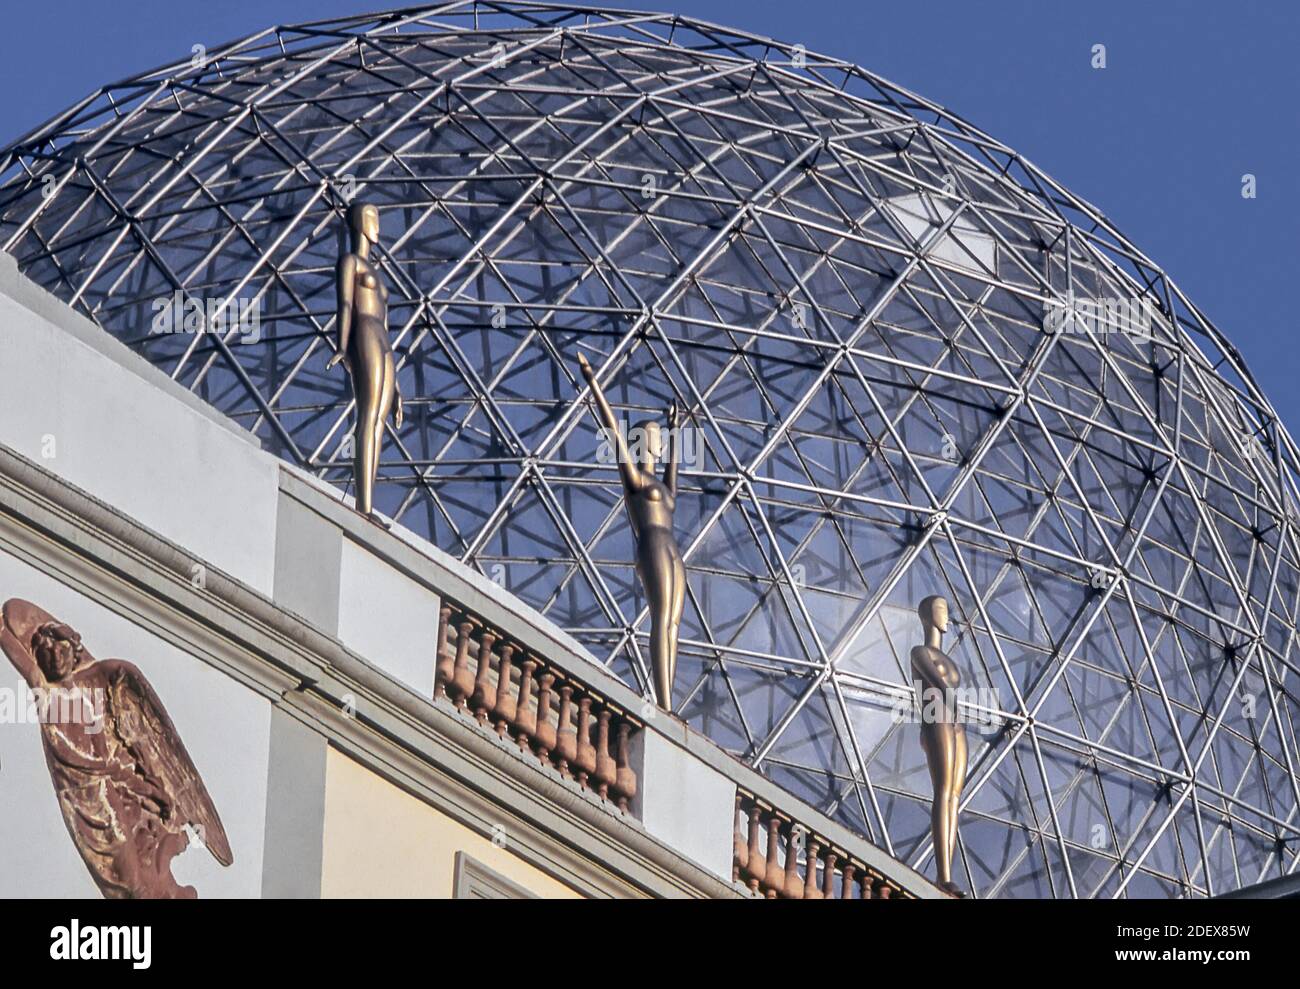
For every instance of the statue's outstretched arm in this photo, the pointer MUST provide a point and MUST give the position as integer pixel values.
(670, 468)
(347, 277)
(22, 658)
(632, 478)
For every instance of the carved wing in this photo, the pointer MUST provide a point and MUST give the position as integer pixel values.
(141, 721)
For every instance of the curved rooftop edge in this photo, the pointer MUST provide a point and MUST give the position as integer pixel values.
(193, 537)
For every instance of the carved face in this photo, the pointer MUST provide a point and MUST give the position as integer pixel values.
(57, 649)
(940, 612)
(364, 220)
(370, 223)
(933, 612)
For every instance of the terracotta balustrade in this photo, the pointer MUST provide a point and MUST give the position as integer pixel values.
(512, 693)
(778, 857)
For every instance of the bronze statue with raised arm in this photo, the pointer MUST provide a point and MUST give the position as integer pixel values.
(365, 350)
(650, 505)
(942, 736)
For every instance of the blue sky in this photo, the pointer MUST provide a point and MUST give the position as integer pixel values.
(1195, 94)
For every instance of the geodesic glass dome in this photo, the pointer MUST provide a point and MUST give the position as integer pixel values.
(912, 364)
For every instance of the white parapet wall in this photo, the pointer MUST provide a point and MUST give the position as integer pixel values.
(87, 409)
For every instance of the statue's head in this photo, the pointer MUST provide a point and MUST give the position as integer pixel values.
(647, 441)
(363, 221)
(57, 649)
(933, 612)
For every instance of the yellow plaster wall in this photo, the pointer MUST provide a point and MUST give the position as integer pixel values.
(382, 842)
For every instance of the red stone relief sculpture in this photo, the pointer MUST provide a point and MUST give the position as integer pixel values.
(126, 786)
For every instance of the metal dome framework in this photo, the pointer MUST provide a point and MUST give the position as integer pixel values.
(845, 285)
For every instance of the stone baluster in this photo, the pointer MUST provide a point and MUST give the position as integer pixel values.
(739, 850)
(485, 694)
(525, 723)
(754, 867)
(545, 737)
(848, 891)
(774, 878)
(606, 767)
(462, 680)
(625, 775)
(828, 884)
(504, 708)
(810, 889)
(566, 745)
(444, 656)
(586, 760)
(791, 884)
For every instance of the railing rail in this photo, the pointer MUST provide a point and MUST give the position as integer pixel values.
(517, 694)
(512, 692)
(776, 856)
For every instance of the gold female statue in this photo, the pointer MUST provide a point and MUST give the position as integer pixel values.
(650, 505)
(365, 350)
(942, 737)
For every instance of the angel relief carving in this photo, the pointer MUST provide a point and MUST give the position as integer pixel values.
(125, 784)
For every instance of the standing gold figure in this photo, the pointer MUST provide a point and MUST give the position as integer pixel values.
(942, 737)
(650, 505)
(365, 350)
